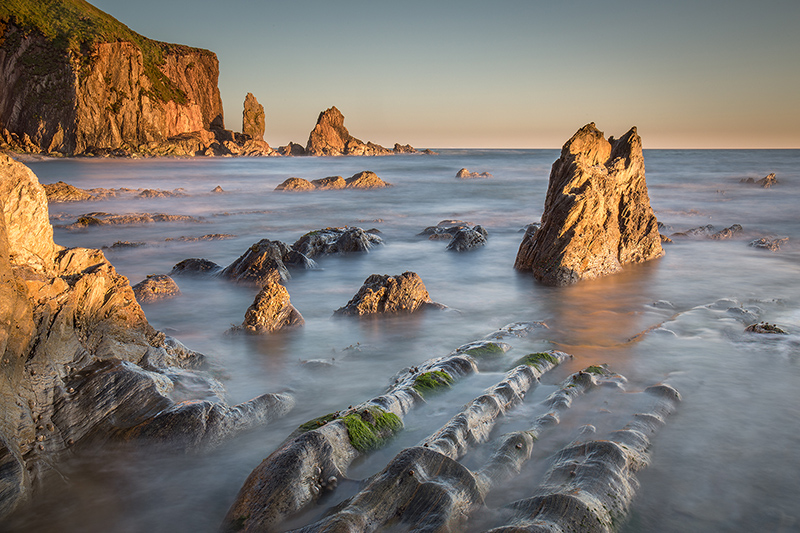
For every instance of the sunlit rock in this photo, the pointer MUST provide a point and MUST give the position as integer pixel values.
(380, 294)
(597, 214)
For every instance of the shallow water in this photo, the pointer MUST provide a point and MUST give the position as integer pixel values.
(726, 461)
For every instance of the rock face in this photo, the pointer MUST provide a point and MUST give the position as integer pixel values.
(253, 118)
(330, 137)
(271, 311)
(335, 241)
(73, 94)
(155, 288)
(79, 363)
(383, 294)
(597, 214)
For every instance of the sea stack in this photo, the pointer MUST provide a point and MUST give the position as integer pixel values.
(253, 119)
(597, 215)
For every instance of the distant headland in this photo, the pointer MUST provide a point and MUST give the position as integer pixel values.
(83, 83)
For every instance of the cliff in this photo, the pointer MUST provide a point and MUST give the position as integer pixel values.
(597, 215)
(75, 80)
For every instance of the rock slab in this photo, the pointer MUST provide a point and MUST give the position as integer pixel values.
(597, 214)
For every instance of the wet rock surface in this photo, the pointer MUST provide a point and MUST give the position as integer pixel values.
(466, 174)
(468, 238)
(81, 365)
(384, 294)
(271, 311)
(336, 241)
(597, 215)
(156, 287)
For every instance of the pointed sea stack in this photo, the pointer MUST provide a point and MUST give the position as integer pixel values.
(597, 214)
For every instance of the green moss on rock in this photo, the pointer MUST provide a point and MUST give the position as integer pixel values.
(490, 350)
(371, 428)
(539, 360)
(432, 381)
(318, 422)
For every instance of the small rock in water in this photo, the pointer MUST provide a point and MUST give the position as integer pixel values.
(156, 287)
(764, 327)
(773, 245)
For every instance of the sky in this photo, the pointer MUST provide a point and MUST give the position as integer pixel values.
(501, 74)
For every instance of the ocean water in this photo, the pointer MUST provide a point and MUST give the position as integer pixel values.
(727, 460)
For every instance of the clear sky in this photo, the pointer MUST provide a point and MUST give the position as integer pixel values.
(503, 73)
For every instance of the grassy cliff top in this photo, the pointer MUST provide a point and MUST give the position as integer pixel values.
(75, 25)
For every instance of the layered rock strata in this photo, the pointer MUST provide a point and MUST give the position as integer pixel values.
(79, 363)
(597, 214)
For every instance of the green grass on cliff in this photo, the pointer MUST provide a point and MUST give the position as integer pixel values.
(76, 25)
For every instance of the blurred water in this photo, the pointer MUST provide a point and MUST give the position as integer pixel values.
(727, 461)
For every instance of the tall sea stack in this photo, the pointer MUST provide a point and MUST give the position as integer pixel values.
(597, 215)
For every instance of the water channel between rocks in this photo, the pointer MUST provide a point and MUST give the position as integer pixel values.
(726, 460)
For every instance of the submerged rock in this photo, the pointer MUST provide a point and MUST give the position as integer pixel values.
(773, 245)
(764, 327)
(195, 266)
(766, 182)
(156, 287)
(466, 174)
(383, 294)
(727, 233)
(271, 311)
(444, 229)
(336, 240)
(597, 214)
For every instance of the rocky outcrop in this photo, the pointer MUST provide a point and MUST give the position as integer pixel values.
(330, 137)
(64, 192)
(466, 174)
(383, 294)
(597, 214)
(771, 244)
(271, 311)
(79, 363)
(468, 238)
(156, 287)
(336, 241)
(765, 183)
(253, 118)
(261, 264)
(292, 149)
(360, 180)
(195, 266)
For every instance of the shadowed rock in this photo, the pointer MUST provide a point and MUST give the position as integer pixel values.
(332, 182)
(260, 264)
(156, 287)
(468, 238)
(336, 240)
(773, 245)
(597, 214)
(195, 266)
(389, 294)
(271, 311)
(765, 183)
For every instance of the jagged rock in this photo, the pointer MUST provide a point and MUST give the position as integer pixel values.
(332, 182)
(158, 193)
(98, 219)
(444, 229)
(292, 149)
(207, 237)
(217, 190)
(773, 245)
(365, 180)
(271, 311)
(597, 214)
(63, 192)
(253, 118)
(727, 233)
(468, 238)
(68, 321)
(764, 327)
(766, 182)
(194, 266)
(156, 287)
(295, 184)
(403, 149)
(125, 244)
(260, 264)
(335, 240)
(466, 174)
(330, 137)
(383, 294)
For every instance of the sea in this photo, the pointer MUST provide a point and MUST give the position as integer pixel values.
(727, 460)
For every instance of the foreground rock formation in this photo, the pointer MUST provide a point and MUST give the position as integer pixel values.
(79, 363)
(597, 214)
(330, 137)
(383, 294)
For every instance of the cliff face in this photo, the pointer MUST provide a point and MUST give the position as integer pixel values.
(98, 96)
(597, 214)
